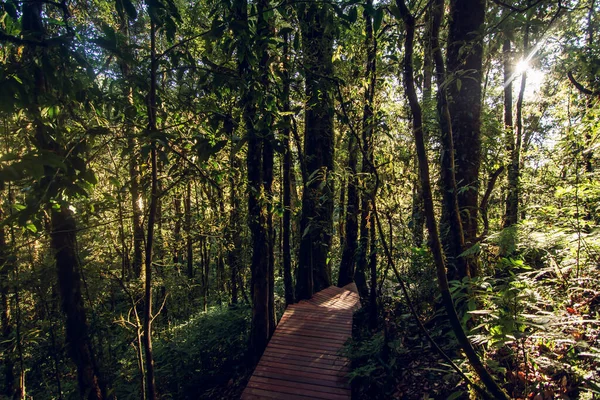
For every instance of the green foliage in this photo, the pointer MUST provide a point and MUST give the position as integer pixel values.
(197, 359)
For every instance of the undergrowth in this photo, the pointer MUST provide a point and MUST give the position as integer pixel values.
(534, 318)
(204, 358)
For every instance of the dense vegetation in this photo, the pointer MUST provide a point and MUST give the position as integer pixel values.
(173, 173)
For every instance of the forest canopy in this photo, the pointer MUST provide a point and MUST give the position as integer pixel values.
(174, 173)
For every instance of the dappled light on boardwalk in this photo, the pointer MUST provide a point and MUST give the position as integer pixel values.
(302, 359)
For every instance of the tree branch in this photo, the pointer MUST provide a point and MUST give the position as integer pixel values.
(580, 87)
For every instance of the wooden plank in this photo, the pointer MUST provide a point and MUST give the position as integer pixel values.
(301, 376)
(299, 387)
(337, 343)
(258, 394)
(307, 331)
(302, 359)
(340, 365)
(310, 325)
(331, 332)
(303, 351)
(284, 363)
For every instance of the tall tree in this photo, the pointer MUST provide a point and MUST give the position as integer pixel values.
(368, 128)
(316, 225)
(6, 326)
(350, 244)
(464, 62)
(515, 143)
(257, 127)
(434, 238)
(63, 227)
(148, 317)
(451, 220)
(287, 176)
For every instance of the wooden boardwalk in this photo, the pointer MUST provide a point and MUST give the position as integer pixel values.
(301, 361)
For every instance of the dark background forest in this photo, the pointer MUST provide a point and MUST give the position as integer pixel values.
(174, 173)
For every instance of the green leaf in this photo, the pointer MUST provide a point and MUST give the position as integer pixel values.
(377, 19)
(31, 228)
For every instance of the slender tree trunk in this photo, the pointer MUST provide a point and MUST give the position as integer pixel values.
(62, 233)
(205, 249)
(287, 182)
(588, 156)
(134, 175)
(316, 225)
(189, 244)
(177, 230)
(257, 213)
(150, 382)
(373, 314)
(234, 218)
(464, 61)
(346, 274)
(268, 162)
(136, 208)
(453, 236)
(486, 199)
(6, 346)
(367, 164)
(63, 243)
(417, 217)
(512, 199)
(434, 239)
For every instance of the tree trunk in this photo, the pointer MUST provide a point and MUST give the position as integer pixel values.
(234, 236)
(346, 274)
(189, 244)
(287, 181)
(316, 225)
(257, 213)
(367, 164)
(434, 239)
(373, 312)
(63, 239)
(464, 61)
(6, 346)
(267, 165)
(514, 171)
(177, 230)
(451, 221)
(136, 208)
(205, 248)
(486, 199)
(150, 382)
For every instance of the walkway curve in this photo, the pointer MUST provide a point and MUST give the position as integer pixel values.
(301, 361)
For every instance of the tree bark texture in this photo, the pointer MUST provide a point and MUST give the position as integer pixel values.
(63, 239)
(6, 327)
(511, 216)
(451, 222)
(366, 225)
(257, 129)
(350, 244)
(434, 238)
(287, 179)
(64, 244)
(464, 61)
(316, 225)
